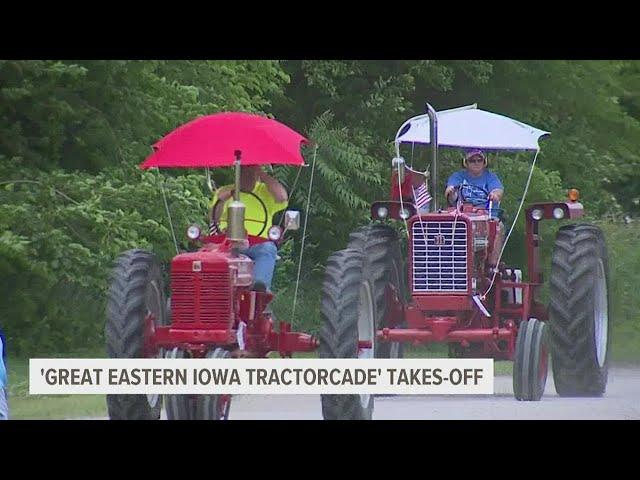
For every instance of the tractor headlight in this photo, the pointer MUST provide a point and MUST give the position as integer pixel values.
(193, 232)
(558, 213)
(244, 268)
(382, 212)
(275, 233)
(404, 213)
(537, 214)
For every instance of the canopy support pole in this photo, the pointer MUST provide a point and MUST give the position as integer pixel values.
(166, 206)
(236, 190)
(433, 133)
(304, 236)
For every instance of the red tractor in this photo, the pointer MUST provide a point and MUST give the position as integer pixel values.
(213, 311)
(443, 289)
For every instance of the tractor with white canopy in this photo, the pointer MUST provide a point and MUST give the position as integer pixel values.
(443, 289)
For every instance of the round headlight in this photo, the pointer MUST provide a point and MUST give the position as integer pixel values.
(537, 214)
(244, 268)
(275, 233)
(383, 212)
(404, 213)
(558, 213)
(193, 232)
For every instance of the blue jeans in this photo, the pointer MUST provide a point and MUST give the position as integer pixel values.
(264, 256)
(4, 408)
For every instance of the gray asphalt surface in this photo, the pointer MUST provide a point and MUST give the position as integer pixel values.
(621, 402)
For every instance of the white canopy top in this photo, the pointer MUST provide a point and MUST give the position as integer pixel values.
(469, 127)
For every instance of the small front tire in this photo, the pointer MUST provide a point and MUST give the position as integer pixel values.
(531, 361)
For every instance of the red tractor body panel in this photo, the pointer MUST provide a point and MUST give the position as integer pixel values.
(202, 294)
(447, 268)
(212, 305)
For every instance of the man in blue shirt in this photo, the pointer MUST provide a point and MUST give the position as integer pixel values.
(478, 186)
(477, 175)
(4, 408)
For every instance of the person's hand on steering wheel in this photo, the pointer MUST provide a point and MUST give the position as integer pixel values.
(495, 195)
(225, 193)
(451, 194)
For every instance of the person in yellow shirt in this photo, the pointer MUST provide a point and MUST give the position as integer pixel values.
(263, 197)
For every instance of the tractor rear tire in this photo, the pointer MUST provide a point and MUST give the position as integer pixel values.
(214, 407)
(382, 265)
(136, 290)
(178, 407)
(579, 312)
(347, 314)
(531, 361)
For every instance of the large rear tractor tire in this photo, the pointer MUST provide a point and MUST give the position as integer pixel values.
(136, 297)
(382, 267)
(579, 312)
(347, 314)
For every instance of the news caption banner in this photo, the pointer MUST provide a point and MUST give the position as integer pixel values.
(49, 376)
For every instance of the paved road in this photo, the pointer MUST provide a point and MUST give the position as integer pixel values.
(622, 401)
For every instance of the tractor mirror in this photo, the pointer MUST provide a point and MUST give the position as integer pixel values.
(292, 220)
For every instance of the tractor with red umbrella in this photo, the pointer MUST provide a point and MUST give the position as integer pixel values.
(213, 310)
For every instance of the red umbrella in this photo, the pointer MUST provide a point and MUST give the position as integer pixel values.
(212, 140)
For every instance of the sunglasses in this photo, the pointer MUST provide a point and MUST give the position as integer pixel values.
(476, 160)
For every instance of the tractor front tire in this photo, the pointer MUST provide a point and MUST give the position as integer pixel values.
(347, 314)
(136, 292)
(382, 266)
(531, 361)
(178, 407)
(579, 312)
(214, 407)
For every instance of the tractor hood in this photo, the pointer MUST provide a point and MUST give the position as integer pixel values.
(214, 261)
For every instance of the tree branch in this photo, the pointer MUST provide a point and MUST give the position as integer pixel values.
(40, 183)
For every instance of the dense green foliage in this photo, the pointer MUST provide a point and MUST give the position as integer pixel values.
(624, 265)
(73, 133)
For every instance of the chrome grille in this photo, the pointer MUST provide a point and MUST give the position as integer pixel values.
(440, 263)
(200, 297)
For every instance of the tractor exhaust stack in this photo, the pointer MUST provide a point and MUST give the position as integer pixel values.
(235, 218)
(433, 135)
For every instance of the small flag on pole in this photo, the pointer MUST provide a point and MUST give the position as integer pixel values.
(422, 197)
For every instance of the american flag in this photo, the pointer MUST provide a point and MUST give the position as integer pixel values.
(421, 196)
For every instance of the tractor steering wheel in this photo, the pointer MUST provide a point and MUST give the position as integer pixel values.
(220, 203)
(466, 192)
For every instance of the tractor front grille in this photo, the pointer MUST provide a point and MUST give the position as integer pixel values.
(198, 297)
(440, 262)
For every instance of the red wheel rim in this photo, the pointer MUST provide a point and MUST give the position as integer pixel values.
(149, 349)
(225, 404)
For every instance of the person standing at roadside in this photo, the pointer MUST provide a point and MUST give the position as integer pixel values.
(4, 406)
